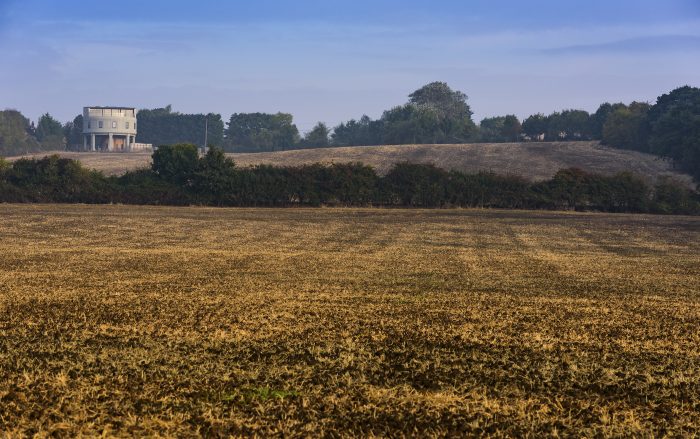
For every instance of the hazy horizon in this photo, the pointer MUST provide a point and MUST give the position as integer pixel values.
(333, 62)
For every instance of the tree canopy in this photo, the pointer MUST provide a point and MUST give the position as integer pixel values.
(161, 126)
(175, 163)
(434, 113)
(674, 123)
(318, 137)
(500, 129)
(442, 100)
(261, 132)
(15, 134)
(362, 132)
(73, 133)
(626, 127)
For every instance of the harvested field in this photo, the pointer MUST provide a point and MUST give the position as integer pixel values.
(536, 161)
(123, 320)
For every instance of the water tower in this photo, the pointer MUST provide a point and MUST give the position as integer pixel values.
(111, 129)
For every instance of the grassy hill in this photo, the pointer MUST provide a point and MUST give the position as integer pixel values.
(535, 160)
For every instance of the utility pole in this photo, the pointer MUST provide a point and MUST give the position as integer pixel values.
(206, 131)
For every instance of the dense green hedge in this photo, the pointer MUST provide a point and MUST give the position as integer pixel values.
(179, 177)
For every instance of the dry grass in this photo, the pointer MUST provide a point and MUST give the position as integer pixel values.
(121, 320)
(536, 161)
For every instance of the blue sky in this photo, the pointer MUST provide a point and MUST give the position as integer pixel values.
(335, 60)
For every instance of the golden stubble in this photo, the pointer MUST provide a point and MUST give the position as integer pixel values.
(123, 320)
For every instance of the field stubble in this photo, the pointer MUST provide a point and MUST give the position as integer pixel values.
(532, 160)
(124, 320)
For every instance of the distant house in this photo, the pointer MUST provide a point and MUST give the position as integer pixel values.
(111, 129)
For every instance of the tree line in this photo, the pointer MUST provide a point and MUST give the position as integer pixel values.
(434, 113)
(180, 176)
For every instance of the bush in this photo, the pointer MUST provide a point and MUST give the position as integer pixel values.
(672, 197)
(179, 177)
(176, 163)
(409, 184)
(55, 179)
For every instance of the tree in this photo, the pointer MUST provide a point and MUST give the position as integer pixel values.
(176, 163)
(536, 125)
(261, 132)
(673, 197)
(15, 134)
(49, 132)
(214, 177)
(318, 137)
(598, 119)
(511, 128)
(409, 124)
(500, 129)
(162, 126)
(568, 125)
(363, 132)
(627, 127)
(675, 128)
(440, 98)
(73, 132)
(434, 114)
(444, 115)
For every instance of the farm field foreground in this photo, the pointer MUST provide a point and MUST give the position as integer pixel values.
(125, 320)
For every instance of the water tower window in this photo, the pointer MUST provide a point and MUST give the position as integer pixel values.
(99, 124)
(127, 125)
(89, 125)
(114, 124)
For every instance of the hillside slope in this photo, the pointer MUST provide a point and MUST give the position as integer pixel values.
(535, 160)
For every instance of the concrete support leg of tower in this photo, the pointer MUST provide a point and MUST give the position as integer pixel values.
(127, 146)
(110, 146)
(92, 142)
(84, 142)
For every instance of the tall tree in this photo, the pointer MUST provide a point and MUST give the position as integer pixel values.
(318, 137)
(536, 125)
(511, 128)
(569, 125)
(214, 177)
(176, 163)
(598, 119)
(15, 134)
(162, 126)
(500, 129)
(73, 132)
(675, 128)
(434, 114)
(445, 102)
(626, 127)
(261, 132)
(49, 132)
(409, 124)
(363, 132)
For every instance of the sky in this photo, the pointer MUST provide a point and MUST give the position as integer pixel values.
(331, 61)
